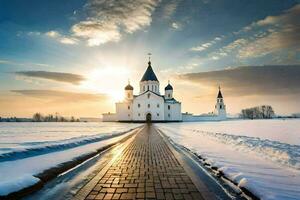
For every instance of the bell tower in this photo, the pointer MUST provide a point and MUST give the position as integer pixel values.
(220, 107)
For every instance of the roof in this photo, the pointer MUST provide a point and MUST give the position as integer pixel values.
(163, 96)
(149, 75)
(128, 87)
(169, 87)
(220, 94)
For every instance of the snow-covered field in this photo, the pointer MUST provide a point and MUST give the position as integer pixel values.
(261, 155)
(27, 149)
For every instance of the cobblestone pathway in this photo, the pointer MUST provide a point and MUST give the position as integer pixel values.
(147, 169)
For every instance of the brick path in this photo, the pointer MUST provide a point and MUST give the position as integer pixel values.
(147, 169)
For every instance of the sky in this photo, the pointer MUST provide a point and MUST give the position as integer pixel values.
(75, 57)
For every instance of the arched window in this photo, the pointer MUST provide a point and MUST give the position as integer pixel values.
(169, 107)
(139, 105)
(139, 114)
(220, 106)
(148, 87)
(157, 114)
(149, 105)
(169, 115)
(158, 105)
(149, 95)
(128, 107)
(169, 95)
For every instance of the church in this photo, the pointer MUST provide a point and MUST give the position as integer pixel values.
(152, 106)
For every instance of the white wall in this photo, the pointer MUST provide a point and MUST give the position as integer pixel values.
(174, 113)
(195, 118)
(157, 113)
(123, 113)
(109, 117)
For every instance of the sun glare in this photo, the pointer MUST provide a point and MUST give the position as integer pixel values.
(107, 80)
(116, 96)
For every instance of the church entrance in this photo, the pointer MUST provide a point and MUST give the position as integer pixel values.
(148, 118)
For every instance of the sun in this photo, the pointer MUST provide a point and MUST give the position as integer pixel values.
(107, 80)
(116, 96)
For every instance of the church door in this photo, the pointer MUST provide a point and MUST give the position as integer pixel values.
(148, 118)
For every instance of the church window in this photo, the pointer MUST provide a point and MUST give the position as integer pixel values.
(158, 105)
(169, 107)
(169, 115)
(220, 106)
(139, 105)
(157, 114)
(148, 105)
(148, 87)
(139, 114)
(149, 95)
(128, 107)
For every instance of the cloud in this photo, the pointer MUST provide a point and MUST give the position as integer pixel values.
(225, 50)
(68, 40)
(14, 63)
(206, 45)
(274, 42)
(170, 8)
(56, 76)
(53, 34)
(62, 39)
(283, 33)
(277, 80)
(176, 25)
(108, 20)
(271, 34)
(55, 95)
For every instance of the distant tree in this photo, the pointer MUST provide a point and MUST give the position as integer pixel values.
(37, 117)
(72, 119)
(259, 112)
(56, 117)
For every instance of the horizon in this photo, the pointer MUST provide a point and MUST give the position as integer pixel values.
(68, 58)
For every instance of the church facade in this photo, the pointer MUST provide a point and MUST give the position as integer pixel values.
(151, 105)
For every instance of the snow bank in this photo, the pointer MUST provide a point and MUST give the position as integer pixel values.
(49, 147)
(267, 168)
(21, 173)
(282, 153)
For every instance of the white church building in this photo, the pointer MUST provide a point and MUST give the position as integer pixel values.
(151, 105)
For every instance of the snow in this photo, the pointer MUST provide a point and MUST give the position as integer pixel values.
(19, 172)
(262, 156)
